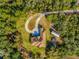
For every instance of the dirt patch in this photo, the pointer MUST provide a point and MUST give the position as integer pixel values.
(43, 22)
(71, 57)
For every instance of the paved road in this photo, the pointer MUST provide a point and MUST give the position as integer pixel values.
(43, 14)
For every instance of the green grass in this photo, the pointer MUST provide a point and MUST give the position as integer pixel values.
(25, 38)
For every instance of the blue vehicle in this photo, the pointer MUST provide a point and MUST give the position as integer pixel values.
(1, 57)
(36, 33)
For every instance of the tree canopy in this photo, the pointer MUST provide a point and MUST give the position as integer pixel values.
(67, 25)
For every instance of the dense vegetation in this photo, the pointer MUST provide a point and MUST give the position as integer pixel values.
(66, 24)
